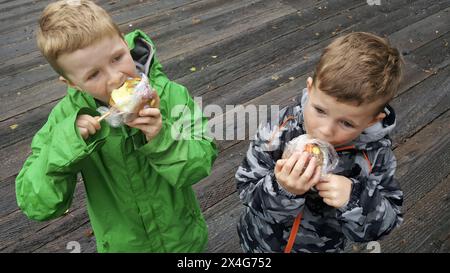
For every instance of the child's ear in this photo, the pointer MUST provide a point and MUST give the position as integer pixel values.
(67, 82)
(64, 80)
(309, 82)
(377, 118)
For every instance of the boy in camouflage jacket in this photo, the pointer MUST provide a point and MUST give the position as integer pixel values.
(289, 206)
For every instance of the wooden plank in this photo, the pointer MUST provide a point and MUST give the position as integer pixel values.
(39, 237)
(9, 67)
(241, 41)
(433, 56)
(8, 203)
(24, 16)
(13, 158)
(220, 183)
(173, 42)
(13, 11)
(392, 20)
(428, 214)
(155, 18)
(20, 45)
(423, 31)
(190, 13)
(42, 93)
(221, 78)
(423, 178)
(422, 104)
(82, 235)
(23, 126)
(27, 79)
(422, 165)
(222, 220)
(439, 239)
(19, 234)
(5, 4)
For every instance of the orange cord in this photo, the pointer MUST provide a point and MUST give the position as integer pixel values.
(293, 234)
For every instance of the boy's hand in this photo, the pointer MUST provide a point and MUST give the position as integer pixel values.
(296, 174)
(149, 120)
(335, 190)
(87, 125)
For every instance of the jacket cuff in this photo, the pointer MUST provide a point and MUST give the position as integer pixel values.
(278, 189)
(355, 195)
(67, 145)
(93, 140)
(160, 143)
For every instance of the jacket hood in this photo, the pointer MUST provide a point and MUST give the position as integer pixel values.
(142, 50)
(373, 134)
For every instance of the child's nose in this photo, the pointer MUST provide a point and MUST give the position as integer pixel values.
(326, 131)
(115, 79)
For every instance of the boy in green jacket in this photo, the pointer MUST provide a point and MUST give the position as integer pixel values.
(138, 176)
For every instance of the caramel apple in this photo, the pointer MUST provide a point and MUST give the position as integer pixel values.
(315, 151)
(124, 98)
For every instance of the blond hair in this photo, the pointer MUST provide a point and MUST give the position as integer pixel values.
(66, 26)
(359, 68)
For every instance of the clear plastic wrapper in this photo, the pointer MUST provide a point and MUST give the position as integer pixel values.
(126, 101)
(323, 151)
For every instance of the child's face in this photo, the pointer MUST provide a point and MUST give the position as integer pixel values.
(335, 122)
(99, 68)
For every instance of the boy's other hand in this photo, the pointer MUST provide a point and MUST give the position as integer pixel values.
(335, 190)
(87, 125)
(298, 173)
(149, 120)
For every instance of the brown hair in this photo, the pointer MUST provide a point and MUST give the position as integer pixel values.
(66, 26)
(359, 68)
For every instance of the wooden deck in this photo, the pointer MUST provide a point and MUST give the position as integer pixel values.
(245, 52)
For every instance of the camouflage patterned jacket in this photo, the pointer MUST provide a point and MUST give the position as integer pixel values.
(375, 203)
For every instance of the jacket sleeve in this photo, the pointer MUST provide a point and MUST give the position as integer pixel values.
(256, 182)
(374, 208)
(47, 180)
(182, 153)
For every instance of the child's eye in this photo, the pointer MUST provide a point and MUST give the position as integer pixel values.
(320, 111)
(93, 75)
(116, 59)
(347, 124)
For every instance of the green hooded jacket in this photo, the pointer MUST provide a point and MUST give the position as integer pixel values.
(139, 194)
